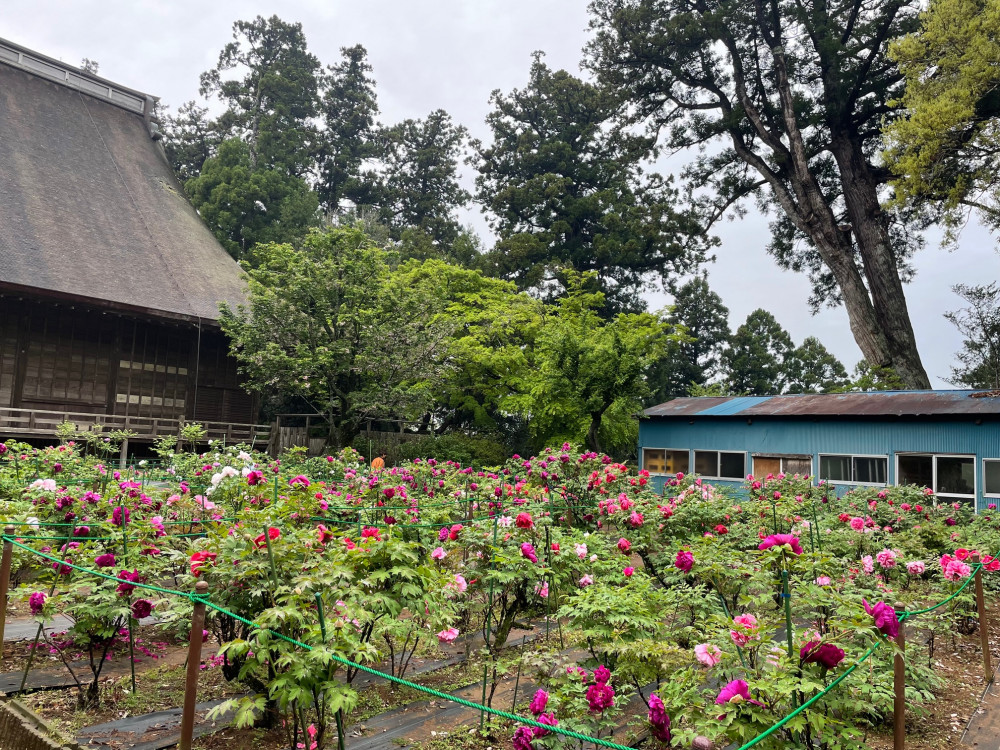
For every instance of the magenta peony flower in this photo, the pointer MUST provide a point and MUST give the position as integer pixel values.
(550, 719)
(529, 551)
(600, 696)
(107, 560)
(781, 540)
(141, 608)
(539, 702)
(36, 601)
(127, 578)
(684, 561)
(736, 691)
(826, 655)
(885, 618)
(658, 719)
(524, 521)
(522, 739)
(117, 513)
(602, 675)
(624, 546)
(857, 523)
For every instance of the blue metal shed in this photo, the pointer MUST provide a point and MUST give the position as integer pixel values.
(947, 440)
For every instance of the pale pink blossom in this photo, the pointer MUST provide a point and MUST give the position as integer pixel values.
(708, 654)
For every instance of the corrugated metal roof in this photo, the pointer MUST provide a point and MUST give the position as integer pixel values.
(879, 403)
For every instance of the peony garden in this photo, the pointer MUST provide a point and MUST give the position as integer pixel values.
(587, 607)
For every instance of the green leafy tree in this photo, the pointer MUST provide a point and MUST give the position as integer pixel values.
(586, 377)
(979, 324)
(567, 194)
(784, 102)
(868, 378)
(243, 206)
(349, 107)
(418, 182)
(271, 106)
(466, 249)
(812, 369)
(696, 357)
(944, 149)
(190, 139)
(495, 328)
(328, 321)
(758, 355)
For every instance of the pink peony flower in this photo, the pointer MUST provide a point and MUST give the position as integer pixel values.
(823, 581)
(916, 568)
(524, 521)
(581, 550)
(746, 630)
(448, 636)
(886, 558)
(708, 654)
(624, 546)
(857, 523)
(542, 589)
(529, 551)
(438, 553)
(460, 584)
(627, 572)
(868, 564)
(587, 580)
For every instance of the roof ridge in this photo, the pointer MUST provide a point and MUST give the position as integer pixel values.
(76, 78)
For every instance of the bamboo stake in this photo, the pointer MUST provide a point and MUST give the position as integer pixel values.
(193, 667)
(984, 628)
(5, 562)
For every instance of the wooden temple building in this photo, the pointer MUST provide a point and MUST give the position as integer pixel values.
(110, 283)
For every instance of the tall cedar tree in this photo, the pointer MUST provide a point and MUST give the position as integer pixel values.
(349, 106)
(695, 357)
(788, 97)
(945, 146)
(190, 139)
(272, 105)
(418, 185)
(567, 194)
(811, 368)
(758, 356)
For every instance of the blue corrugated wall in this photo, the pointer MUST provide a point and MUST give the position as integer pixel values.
(770, 435)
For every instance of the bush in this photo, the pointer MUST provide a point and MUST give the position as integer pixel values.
(465, 449)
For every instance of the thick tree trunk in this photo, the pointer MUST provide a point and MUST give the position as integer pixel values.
(869, 225)
(593, 434)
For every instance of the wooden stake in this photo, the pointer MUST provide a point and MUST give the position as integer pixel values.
(193, 668)
(8, 553)
(899, 683)
(984, 626)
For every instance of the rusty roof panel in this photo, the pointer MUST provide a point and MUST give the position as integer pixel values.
(875, 404)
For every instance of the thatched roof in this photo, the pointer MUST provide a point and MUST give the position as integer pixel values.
(89, 207)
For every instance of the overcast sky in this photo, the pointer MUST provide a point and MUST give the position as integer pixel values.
(451, 54)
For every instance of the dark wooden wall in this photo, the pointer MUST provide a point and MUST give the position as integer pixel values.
(59, 356)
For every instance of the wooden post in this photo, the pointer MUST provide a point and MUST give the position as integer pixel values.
(984, 627)
(899, 683)
(124, 454)
(193, 668)
(8, 553)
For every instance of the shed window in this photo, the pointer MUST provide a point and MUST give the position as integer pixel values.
(764, 465)
(720, 464)
(854, 469)
(991, 477)
(664, 461)
(953, 476)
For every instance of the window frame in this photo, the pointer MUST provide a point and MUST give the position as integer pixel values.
(672, 450)
(934, 475)
(718, 463)
(985, 461)
(852, 456)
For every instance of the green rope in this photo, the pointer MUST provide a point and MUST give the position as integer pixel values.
(910, 613)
